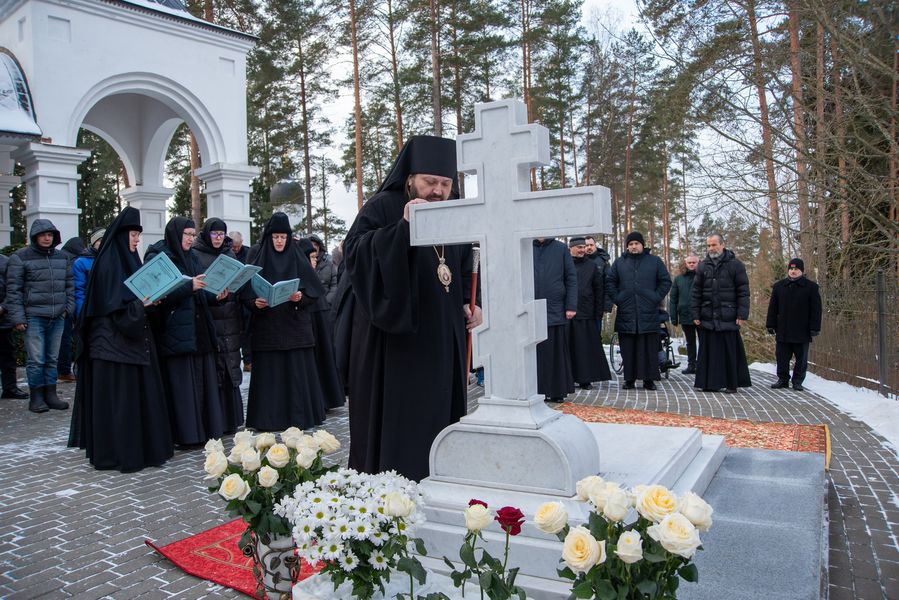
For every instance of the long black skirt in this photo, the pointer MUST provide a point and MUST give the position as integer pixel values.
(326, 360)
(120, 417)
(554, 378)
(196, 407)
(640, 356)
(722, 361)
(588, 361)
(284, 391)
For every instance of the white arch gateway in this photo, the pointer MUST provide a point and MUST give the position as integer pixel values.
(130, 71)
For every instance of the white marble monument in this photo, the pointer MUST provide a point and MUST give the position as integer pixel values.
(514, 450)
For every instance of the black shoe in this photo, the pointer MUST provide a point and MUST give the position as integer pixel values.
(689, 371)
(649, 385)
(52, 400)
(798, 387)
(585, 386)
(780, 383)
(556, 400)
(628, 385)
(730, 391)
(37, 404)
(13, 394)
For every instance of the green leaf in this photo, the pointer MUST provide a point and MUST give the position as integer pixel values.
(411, 565)
(654, 556)
(584, 590)
(253, 507)
(466, 553)
(486, 579)
(567, 573)
(605, 591)
(449, 563)
(647, 587)
(420, 546)
(689, 572)
(599, 527)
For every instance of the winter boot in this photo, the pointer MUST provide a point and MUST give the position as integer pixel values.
(10, 390)
(52, 399)
(36, 404)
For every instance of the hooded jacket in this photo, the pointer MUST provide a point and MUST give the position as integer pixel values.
(794, 310)
(39, 281)
(720, 293)
(326, 270)
(638, 283)
(603, 262)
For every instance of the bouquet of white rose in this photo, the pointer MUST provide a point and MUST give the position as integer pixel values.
(359, 526)
(259, 471)
(607, 559)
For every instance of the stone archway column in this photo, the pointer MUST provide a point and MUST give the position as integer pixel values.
(151, 201)
(51, 184)
(7, 182)
(228, 195)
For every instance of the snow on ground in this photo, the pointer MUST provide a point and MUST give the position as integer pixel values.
(879, 413)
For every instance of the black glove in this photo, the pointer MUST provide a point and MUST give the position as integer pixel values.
(771, 330)
(814, 333)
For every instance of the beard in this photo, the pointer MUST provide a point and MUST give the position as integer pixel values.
(715, 254)
(413, 192)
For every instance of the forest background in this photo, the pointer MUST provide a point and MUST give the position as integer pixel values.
(770, 121)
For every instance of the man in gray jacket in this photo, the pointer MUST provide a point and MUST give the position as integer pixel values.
(40, 293)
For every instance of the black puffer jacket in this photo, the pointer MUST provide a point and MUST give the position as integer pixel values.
(794, 310)
(5, 323)
(38, 280)
(554, 279)
(590, 286)
(327, 274)
(637, 284)
(602, 260)
(226, 314)
(184, 323)
(720, 293)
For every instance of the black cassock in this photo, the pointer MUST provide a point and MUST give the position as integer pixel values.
(405, 374)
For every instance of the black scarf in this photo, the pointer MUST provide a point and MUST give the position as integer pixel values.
(174, 230)
(106, 290)
(287, 264)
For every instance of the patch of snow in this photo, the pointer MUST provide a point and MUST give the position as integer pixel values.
(66, 493)
(34, 448)
(879, 413)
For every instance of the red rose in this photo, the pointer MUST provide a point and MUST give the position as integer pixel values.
(510, 519)
(472, 502)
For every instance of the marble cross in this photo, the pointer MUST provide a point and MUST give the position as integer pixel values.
(504, 218)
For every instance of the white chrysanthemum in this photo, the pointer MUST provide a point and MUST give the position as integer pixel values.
(340, 527)
(320, 515)
(332, 548)
(348, 562)
(361, 529)
(316, 498)
(304, 531)
(378, 560)
(377, 538)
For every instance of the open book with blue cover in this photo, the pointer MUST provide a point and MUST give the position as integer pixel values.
(156, 279)
(274, 294)
(228, 273)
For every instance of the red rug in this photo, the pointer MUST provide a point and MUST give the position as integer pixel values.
(213, 555)
(739, 433)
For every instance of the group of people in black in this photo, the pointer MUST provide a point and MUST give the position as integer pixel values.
(153, 376)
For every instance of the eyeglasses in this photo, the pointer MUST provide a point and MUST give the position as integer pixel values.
(217, 234)
(190, 235)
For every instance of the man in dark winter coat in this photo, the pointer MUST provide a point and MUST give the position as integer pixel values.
(325, 268)
(794, 316)
(603, 263)
(7, 344)
(555, 280)
(637, 283)
(679, 308)
(719, 305)
(39, 295)
(588, 361)
(72, 249)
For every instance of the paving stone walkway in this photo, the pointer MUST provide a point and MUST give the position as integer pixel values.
(68, 531)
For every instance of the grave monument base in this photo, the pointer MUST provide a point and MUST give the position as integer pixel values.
(681, 459)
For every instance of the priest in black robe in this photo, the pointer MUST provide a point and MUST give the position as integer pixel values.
(555, 281)
(402, 313)
(120, 417)
(588, 361)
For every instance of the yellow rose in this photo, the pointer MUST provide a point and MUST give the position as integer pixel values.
(250, 460)
(585, 485)
(617, 505)
(398, 505)
(278, 455)
(581, 551)
(477, 517)
(676, 534)
(551, 517)
(265, 440)
(327, 442)
(656, 502)
(630, 547)
(236, 451)
(244, 438)
(267, 477)
(216, 464)
(696, 510)
(305, 457)
(234, 488)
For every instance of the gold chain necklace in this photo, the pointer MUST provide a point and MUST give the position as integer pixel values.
(444, 275)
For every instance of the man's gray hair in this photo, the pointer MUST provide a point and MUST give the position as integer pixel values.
(717, 235)
(235, 236)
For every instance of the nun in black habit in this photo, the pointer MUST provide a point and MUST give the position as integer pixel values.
(187, 345)
(402, 314)
(120, 416)
(323, 330)
(227, 315)
(284, 389)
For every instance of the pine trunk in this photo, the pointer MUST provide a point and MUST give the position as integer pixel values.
(435, 72)
(820, 151)
(842, 185)
(632, 108)
(194, 180)
(894, 155)
(573, 147)
(768, 148)
(805, 242)
(358, 105)
(666, 218)
(304, 115)
(526, 70)
(395, 75)
(686, 220)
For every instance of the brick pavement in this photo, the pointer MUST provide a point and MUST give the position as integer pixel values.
(67, 530)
